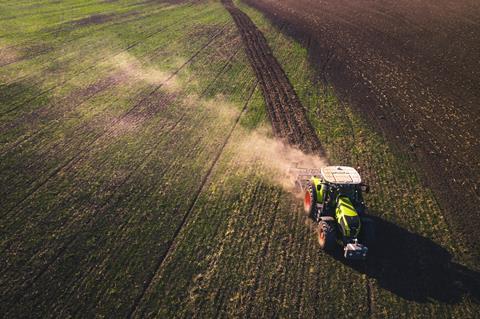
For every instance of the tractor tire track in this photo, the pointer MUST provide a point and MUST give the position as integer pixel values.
(91, 67)
(82, 96)
(284, 109)
(109, 201)
(196, 196)
(70, 40)
(74, 159)
(90, 220)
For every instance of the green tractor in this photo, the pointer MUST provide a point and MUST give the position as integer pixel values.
(333, 199)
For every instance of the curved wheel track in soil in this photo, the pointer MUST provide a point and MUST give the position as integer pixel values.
(284, 109)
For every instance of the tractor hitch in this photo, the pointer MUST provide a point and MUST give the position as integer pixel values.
(355, 251)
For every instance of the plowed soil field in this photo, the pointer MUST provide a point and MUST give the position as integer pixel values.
(412, 70)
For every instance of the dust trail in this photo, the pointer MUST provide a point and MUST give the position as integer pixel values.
(276, 157)
(135, 69)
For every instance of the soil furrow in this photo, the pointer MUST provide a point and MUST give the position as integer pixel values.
(286, 114)
(272, 98)
(203, 183)
(274, 94)
(278, 93)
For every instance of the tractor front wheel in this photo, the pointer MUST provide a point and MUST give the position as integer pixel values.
(326, 235)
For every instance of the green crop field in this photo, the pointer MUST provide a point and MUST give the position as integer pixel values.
(139, 177)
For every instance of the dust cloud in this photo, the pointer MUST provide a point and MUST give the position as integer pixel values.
(279, 159)
(276, 158)
(134, 69)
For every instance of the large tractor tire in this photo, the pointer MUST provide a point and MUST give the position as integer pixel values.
(310, 202)
(368, 236)
(326, 235)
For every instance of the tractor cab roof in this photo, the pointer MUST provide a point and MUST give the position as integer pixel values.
(342, 175)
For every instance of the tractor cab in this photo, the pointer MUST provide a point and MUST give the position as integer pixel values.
(338, 184)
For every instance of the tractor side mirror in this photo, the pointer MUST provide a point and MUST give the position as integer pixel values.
(365, 188)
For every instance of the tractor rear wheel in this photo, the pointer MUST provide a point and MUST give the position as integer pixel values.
(326, 235)
(310, 202)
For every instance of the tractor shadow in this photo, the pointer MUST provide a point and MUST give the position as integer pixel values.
(415, 268)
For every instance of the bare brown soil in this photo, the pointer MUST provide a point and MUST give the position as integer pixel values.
(412, 70)
(284, 109)
(407, 264)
